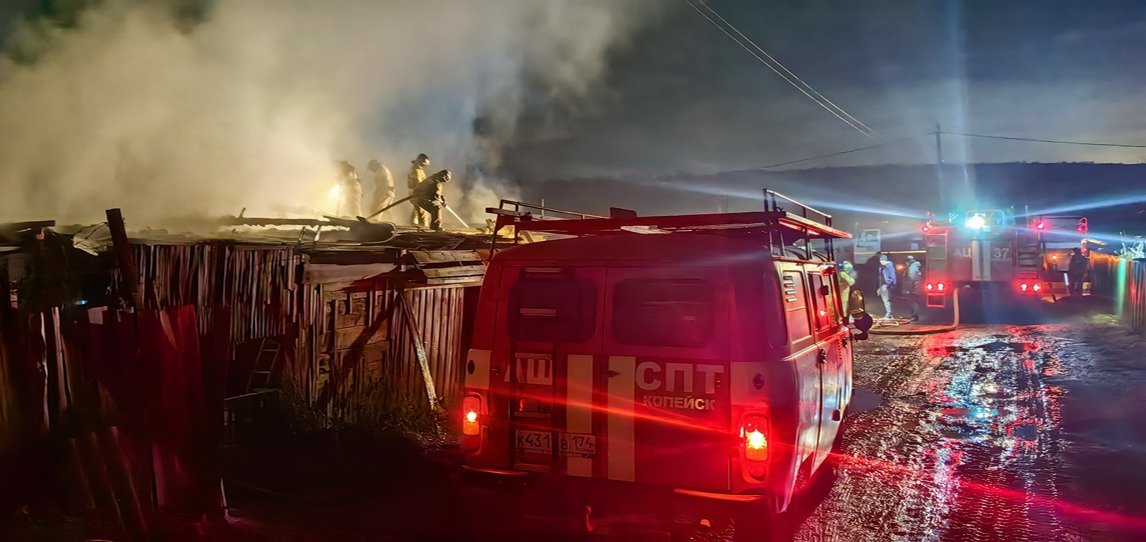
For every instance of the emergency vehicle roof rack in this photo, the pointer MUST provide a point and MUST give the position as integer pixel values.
(778, 227)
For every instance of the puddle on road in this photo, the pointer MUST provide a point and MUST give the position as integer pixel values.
(864, 401)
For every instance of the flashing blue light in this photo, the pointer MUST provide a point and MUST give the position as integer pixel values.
(976, 222)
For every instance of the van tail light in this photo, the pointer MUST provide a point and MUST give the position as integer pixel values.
(1023, 287)
(1037, 287)
(754, 437)
(471, 416)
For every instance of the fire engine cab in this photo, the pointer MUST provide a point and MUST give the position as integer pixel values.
(694, 357)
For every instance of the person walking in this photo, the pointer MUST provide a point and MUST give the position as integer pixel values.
(887, 280)
(914, 276)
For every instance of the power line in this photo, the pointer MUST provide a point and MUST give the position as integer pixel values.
(784, 68)
(884, 143)
(858, 126)
(1036, 140)
(849, 151)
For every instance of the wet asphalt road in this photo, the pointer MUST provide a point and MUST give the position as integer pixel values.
(991, 433)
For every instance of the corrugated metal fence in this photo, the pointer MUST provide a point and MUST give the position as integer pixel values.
(1125, 282)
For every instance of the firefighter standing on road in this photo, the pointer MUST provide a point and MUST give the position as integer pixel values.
(383, 186)
(887, 279)
(430, 197)
(914, 276)
(415, 177)
(1076, 271)
(351, 204)
(847, 275)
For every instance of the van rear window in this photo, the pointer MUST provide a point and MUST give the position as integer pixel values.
(672, 312)
(553, 310)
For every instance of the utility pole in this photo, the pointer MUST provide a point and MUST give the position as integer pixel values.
(939, 168)
(938, 145)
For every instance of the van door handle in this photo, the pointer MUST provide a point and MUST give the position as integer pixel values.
(822, 357)
(613, 373)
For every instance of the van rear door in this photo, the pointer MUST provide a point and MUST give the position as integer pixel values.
(667, 346)
(832, 355)
(552, 338)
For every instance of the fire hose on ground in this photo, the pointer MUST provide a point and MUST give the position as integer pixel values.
(925, 330)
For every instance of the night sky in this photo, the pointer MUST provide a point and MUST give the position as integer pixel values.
(682, 97)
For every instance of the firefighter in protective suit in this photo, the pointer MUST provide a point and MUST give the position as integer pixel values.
(351, 204)
(415, 177)
(383, 186)
(430, 197)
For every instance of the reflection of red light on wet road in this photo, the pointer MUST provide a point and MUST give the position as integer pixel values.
(1061, 507)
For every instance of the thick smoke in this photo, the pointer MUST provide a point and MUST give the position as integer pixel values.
(249, 103)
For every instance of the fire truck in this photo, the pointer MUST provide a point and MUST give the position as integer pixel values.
(988, 250)
(673, 360)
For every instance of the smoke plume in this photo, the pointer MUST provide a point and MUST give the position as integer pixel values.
(246, 104)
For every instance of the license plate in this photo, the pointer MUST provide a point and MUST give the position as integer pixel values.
(540, 442)
(578, 444)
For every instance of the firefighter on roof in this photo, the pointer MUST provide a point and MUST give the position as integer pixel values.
(351, 190)
(429, 196)
(415, 177)
(383, 186)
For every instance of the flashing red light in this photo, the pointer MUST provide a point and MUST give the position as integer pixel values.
(1023, 286)
(1037, 287)
(471, 407)
(926, 228)
(930, 286)
(754, 435)
(940, 286)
